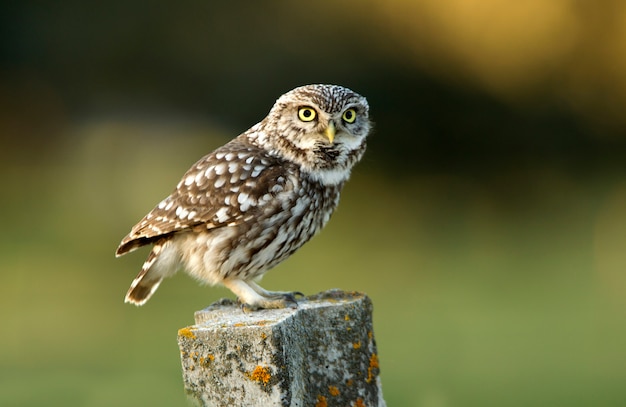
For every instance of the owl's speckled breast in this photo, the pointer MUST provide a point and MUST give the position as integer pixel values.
(250, 249)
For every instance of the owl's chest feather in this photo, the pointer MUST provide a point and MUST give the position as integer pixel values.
(274, 237)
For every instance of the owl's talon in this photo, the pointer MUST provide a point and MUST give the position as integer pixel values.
(246, 308)
(274, 300)
(290, 300)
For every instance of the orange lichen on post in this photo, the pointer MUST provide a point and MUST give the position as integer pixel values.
(277, 357)
(205, 361)
(187, 333)
(321, 401)
(260, 374)
(373, 365)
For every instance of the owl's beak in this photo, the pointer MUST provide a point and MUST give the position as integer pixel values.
(330, 132)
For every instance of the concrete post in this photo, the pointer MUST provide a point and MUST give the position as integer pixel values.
(321, 354)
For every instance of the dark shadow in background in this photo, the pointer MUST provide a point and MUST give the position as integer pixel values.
(226, 62)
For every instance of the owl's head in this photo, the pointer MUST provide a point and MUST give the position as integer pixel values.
(321, 125)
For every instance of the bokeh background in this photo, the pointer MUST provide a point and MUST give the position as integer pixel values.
(487, 221)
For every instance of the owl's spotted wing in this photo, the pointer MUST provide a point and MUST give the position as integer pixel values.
(230, 186)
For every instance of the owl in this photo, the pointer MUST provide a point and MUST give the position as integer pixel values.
(250, 204)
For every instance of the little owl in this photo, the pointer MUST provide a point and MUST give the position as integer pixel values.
(253, 202)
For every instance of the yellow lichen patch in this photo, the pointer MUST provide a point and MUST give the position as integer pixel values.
(347, 317)
(263, 335)
(373, 365)
(370, 335)
(187, 333)
(260, 374)
(349, 382)
(205, 361)
(359, 403)
(321, 401)
(334, 391)
(238, 324)
(356, 345)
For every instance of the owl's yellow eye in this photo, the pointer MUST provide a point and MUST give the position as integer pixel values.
(349, 116)
(306, 114)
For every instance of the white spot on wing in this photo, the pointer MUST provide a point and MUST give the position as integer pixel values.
(257, 170)
(181, 212)
(232, 167)
(222, 215)
(242, 197)
(199, 178)
(220, 168)
(245, 201)
(220, 182)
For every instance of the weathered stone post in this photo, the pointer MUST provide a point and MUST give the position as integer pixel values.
(321, 354)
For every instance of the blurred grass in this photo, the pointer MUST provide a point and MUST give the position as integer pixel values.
(496, 289)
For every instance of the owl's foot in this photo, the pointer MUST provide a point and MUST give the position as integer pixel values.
(277, 300)
(253, 297)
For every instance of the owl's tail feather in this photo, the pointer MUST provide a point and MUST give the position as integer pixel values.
(154, 269)
(140, 291)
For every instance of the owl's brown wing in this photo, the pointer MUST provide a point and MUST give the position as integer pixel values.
(230, 186)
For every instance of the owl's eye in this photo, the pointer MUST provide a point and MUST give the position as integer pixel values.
(349, 116)
(306, 114)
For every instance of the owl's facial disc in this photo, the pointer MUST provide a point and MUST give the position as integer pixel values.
(330, 131)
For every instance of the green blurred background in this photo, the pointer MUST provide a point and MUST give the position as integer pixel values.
(487, 221)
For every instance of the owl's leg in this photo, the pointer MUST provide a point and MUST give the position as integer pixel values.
(274, 294)
(252, 300)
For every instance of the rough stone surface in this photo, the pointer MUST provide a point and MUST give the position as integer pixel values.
(321, 354)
